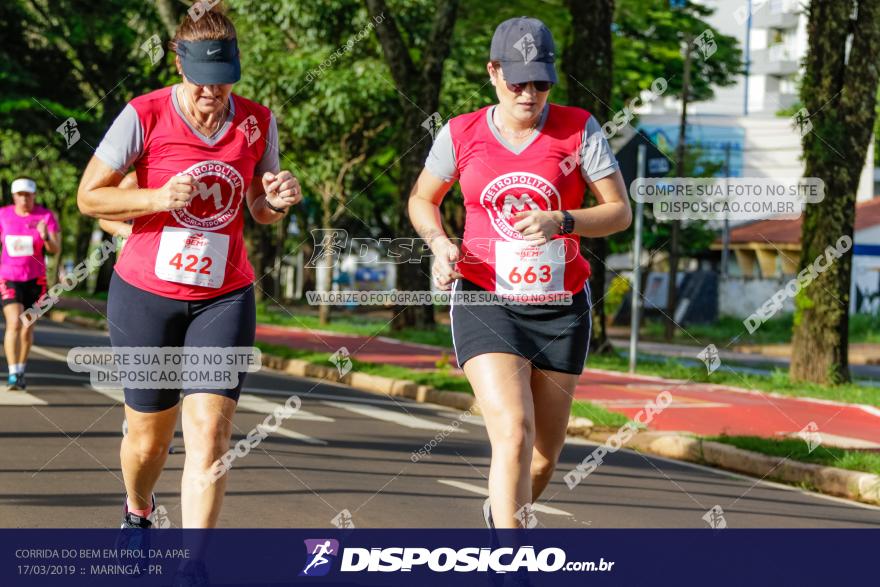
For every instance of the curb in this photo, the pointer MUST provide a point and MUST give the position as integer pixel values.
(854, 485)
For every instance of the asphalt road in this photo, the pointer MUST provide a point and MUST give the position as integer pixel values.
(349, 451)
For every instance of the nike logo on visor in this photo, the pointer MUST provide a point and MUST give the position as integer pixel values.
(214, 51)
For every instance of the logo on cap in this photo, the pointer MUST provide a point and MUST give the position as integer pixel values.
(526, 46)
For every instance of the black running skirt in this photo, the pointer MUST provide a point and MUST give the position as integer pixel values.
(552, 337)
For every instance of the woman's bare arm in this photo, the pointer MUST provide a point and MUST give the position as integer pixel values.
(101, 196)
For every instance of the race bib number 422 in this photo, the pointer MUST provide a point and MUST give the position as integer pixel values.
(192, 257)
(524, 269)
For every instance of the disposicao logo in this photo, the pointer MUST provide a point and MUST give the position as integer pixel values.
(320, 554)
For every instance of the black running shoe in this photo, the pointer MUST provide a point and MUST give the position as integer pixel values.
(130, 520)
(133, 542)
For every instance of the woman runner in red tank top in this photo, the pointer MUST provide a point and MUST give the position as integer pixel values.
(183, 279)
(523, 166)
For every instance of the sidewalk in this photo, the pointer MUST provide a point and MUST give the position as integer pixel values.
(696, 407)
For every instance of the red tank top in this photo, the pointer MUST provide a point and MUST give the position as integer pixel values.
(198, 252)
(498, 184)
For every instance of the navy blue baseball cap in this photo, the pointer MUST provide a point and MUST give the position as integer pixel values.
(210, 62)
(525, 49)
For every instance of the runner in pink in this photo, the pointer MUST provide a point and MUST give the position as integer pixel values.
(28, 232)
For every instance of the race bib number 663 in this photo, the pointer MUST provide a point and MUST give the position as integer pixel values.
(521, 268)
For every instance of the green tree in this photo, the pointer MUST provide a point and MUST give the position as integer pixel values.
(839, 93)
(69, 59)
(317, 65)
(648, 37)
(678, 45)
(417, 72)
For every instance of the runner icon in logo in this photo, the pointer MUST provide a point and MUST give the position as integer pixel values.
(321, 553)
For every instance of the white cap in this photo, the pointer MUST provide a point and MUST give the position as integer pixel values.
(24, 185)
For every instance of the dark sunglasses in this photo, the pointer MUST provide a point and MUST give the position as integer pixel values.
(520, 88)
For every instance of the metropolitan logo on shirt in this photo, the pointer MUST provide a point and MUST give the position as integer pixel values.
(219, 193)
(507, 195)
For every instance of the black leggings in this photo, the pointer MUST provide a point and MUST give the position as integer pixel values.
(138, 318)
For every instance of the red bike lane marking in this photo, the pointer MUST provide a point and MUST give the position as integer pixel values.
(695, 407)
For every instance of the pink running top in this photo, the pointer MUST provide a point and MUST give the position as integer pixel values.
(22, 258)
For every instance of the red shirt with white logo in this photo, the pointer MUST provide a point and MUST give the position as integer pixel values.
(499, 183)
(197, 252)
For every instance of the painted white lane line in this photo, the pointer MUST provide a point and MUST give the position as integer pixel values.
(23, 398)
(20, 398)
(31, 375)
(114, 394)
(261, 405)
(118, 396)
(393, 416)
(298, 436)
(579, 441)
(49, 354)
(544, 509)
(410, 404)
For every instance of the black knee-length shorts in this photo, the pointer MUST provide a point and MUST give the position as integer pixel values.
(552, 337)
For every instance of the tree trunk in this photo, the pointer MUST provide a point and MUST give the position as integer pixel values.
(84, 227)
(324, 271)
(588, 63)
(260, 245)
(419, 88)
(839, 95)
(169, 14)
(412, 276)
(681, 153)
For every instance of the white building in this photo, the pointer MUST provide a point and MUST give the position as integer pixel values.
(742, 119)
(743, 126)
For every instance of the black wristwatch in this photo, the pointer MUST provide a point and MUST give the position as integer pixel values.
(273, 208)
(567, 226)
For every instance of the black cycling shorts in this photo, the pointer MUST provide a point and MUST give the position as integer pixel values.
(138, 318)
(551, 337)
(26, 293)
